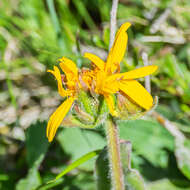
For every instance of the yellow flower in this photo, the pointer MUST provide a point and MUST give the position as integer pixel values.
(108, 80)
(70, 93)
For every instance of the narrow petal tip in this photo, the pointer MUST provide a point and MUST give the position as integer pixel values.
(50, 139)
(86, 54)
(125, 26)
(114, 113)
(49, 71)
(155, 67)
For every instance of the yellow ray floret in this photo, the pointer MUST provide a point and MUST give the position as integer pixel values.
(57, 117)
(137, 93)
(71, 84)
(69, 68)
(134, 74)
(118, 49)
(96, 60)
(57, 75)
(140, 72)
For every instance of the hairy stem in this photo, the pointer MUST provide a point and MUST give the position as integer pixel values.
(114, 155)
(117, 178)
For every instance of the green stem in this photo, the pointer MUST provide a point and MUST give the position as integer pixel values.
(114, 155)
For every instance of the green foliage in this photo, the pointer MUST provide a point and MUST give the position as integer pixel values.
(133, 179)
(84, 13)
(102, 175)
(182, 153)
(76, 163)
(31, 182)
(142, 134)
(85, 141)
(36, 145)
(166, 184)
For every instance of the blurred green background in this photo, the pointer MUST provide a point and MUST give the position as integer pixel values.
(35, 33)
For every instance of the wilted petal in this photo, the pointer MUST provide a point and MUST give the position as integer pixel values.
(69, 68)
(57, 75)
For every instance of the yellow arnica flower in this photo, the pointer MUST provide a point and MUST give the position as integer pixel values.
(107, 80)
(70, 93)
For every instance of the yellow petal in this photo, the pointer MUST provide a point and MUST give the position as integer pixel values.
(110, 88)
(134, 74)
(110, 102)
(57, 117)
(99, 81)
(135, 91)
(69, 68)
(118, 49)
(57, 75)
(96, 60)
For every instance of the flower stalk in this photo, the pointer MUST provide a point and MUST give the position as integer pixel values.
(113, 146)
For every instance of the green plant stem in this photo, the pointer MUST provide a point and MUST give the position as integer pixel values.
(117, 178)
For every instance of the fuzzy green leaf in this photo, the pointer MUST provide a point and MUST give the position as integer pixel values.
(77, 142)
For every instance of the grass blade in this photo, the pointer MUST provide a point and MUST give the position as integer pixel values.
(76, 163)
